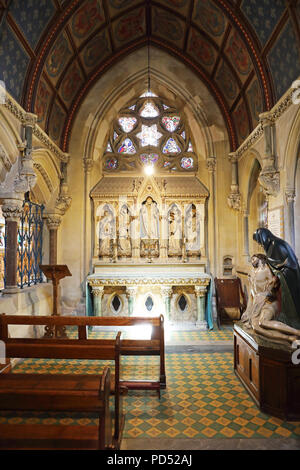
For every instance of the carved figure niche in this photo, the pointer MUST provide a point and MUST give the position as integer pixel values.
(125, 235)
(107, 231)
(192, 231)
(175, 231)
(149, 228)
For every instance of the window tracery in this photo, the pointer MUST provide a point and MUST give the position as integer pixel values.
(149, 132)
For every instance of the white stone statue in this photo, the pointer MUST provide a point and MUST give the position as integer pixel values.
(106, 233)
(263, 307)
(175, 232)
(124, 232)
(192, 229)
(149, 220)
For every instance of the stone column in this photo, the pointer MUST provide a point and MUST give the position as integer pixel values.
(97, 292)
(166, 292)
(131, 294)
(290, 195)
(12, 211)
(234, 198)
(246, 235)
(200, 292)
(53, 222)
(269, 177)
(211, 166)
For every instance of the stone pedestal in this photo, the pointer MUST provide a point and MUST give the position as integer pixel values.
(98, 292)
(130, 294)
(201, 323)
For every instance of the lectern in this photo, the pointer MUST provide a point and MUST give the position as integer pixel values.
(55, 272)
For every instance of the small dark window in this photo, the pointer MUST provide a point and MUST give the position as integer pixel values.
(182, 303)
(149, 303)
(116, 303)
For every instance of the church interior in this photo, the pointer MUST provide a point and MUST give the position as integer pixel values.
(148, 149)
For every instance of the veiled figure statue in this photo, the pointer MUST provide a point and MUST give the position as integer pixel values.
(266, 310)
(106, 232)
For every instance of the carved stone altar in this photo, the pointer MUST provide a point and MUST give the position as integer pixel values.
(149, 254)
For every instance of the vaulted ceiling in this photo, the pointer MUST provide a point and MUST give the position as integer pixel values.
(247, 52)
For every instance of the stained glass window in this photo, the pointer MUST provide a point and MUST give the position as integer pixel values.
(149, 110)
(149, 135)
(127, 146)
(127, 123)
(111, 164)
(149, 132)
(171, 146)
(187, 162)
(171, 122)
(149, 158)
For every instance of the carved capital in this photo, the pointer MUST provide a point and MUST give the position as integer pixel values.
(290, 195)
(12, 209)
(233, 157)
(234, 200)
(211, 164)
(5, 158)
(270, 181)
(166, 291)
(88, 164)
(29, 120)
(266, 119)
(98, 291)
(200, 291)
(53, 221)
(130, 291)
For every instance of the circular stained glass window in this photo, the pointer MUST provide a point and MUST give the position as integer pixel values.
(111, 164)
(187, 163)
(149, 158)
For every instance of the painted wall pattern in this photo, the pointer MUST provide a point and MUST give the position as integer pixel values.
(209, 17)
(201, 49)
(42, 102)
(255, 101)
(181, 6)
(71, 83)
(263, 16)
(89, 17)
(282, 60)
(226, 81)
(13, 63)
(167, 26)
(56, 121)
(130, 26)
(32, 17)
(96, 50)
(241, 121)
(238, 54)
(59, 55)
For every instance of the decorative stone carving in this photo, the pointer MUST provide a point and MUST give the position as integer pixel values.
(53, 221)
(5, 158)
(234, 200)
(211, 164)
(290, 195)
(12, 209)
(270, 181)
(88, 164)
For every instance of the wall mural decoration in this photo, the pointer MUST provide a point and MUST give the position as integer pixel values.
(238, 54)
(201, 49)
(241, 121)
(255, 101)
(131, 26)
(283, 60)
(87, 18)
(96, 50)
(167, 26)
(42, 102)
(71, 82)
(209, 17)
(257, 11)
(58, 57)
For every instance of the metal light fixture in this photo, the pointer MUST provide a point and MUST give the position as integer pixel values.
(149, 167)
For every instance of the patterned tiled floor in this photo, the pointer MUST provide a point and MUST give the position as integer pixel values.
(203, 399)
(171, 336)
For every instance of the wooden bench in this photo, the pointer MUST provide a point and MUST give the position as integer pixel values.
(56, 393)
(155, 346)
(60, 348)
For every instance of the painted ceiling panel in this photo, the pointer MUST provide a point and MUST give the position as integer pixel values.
(95, 51)
(43, 99)
(13, 62)
(210, 18)
(241, 121)
(201, 50)
(238, 55)
(182, 6)
(58, 58)
(168, 26)
(116, 7)
(32, 17)
(56, 121)
(71, 83)
(227, 83)
(283, 60)
(131, 26)
(89, 17)
(263, 16)
(255, 101)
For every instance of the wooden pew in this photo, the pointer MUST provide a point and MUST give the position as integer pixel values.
(63, 348)
(56, 392)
